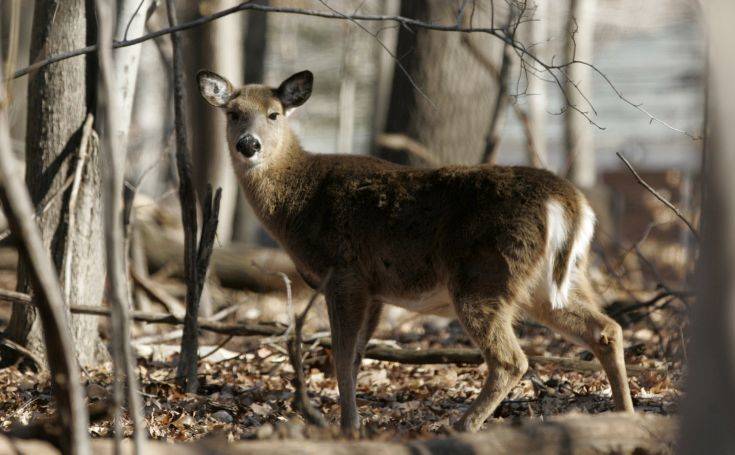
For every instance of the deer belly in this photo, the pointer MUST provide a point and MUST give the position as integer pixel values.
(436, 301)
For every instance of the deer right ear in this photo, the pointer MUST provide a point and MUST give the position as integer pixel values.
(295, 90)
(215, 89)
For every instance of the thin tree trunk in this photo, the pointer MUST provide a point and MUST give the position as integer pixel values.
(537, 110)
(578, 87)
(709, 401)
(131, 17)
(246, 224)
(346, 126)
(109, 99)
(220, 49)
(56, 112)
(386, 68)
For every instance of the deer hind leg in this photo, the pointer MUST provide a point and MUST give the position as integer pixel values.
(489, 323)
(581, 321)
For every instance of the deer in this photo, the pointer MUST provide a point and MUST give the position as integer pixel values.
(486, 244)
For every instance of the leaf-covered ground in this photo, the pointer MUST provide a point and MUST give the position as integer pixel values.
(246, 391)
(250, 396)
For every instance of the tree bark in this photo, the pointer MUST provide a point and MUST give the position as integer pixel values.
(246, 224)
(220, 49)
(65, 382)
(578, 132)
(56, 112)
(708, 407)
(445, 107)
(537, 31)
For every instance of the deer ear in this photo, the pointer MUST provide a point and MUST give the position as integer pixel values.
(295, 90)
(215, 89)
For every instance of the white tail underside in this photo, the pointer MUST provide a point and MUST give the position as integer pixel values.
(559, 230)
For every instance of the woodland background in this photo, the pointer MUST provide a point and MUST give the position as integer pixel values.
(627, 99)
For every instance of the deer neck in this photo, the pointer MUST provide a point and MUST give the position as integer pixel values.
(279, 190)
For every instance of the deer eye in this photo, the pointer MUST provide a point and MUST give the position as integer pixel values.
(273, 115)
(233, 115)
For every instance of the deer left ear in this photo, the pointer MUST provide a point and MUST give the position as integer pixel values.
(295, 90)
(215, 89)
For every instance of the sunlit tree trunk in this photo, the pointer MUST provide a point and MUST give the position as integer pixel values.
(537, 31)
(578, 131)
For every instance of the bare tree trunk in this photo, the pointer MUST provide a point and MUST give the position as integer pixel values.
(346, 127)
(537, 111)
(110, 98)
(445, 107)
(66, 384)
(386, 68)
(578, 87)
(246, 223)
(131, 17)
(221, 50)
(708, 408)
(56, 112)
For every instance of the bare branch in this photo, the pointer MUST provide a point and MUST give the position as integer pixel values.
(122, 354)
(658, 196)
(556, 71)
(301, 396)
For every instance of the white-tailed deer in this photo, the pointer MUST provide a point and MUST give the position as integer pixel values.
(484, 243)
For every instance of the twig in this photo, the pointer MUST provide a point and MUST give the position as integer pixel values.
(522, 116)
(122, 354)
(73, 196)
(161, 295)
(289, 294)
(43, 208)
(301, 396)
(658, 196)
(65, 380)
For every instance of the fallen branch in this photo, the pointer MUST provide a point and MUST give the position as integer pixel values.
(658, 196)
(233, 266)
(466, 356)
(151, 288)
(39, 365)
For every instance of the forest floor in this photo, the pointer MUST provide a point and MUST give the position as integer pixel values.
(246, 391)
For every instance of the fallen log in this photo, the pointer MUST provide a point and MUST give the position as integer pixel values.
(236, 266)
(574, 434)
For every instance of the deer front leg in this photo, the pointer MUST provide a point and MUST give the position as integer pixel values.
(347, 305)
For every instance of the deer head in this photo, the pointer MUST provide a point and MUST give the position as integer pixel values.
(257, 125)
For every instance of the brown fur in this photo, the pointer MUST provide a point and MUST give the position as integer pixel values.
(395, 232)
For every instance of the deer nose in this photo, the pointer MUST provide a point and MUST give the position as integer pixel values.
(248, 145)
